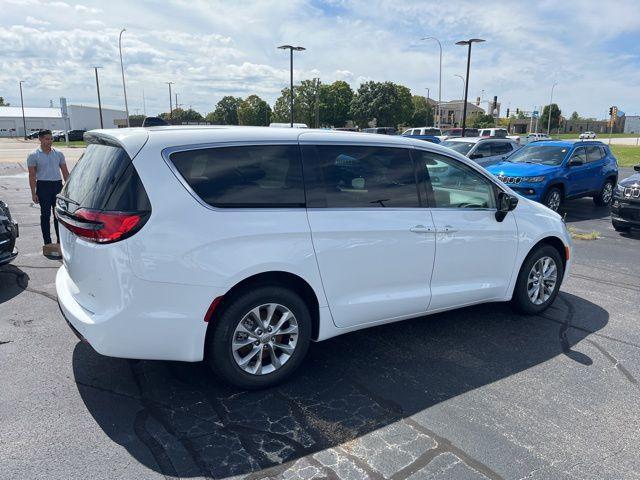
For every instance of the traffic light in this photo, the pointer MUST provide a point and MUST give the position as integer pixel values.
(517, 111)
(507, 112)
(610, 111)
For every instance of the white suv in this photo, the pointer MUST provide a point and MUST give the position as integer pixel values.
(240, 245)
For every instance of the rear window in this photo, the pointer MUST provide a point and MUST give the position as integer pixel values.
(105, 179)
(242, 177)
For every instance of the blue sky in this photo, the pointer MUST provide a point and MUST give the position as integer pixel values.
(211, 49)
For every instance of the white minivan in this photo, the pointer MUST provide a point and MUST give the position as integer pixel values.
(240, 245)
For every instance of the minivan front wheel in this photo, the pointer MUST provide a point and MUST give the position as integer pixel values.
(538, 281)
(261, 337)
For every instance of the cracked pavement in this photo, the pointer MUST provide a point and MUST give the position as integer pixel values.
(478, 393)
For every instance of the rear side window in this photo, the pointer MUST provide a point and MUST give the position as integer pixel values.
(580, 153)
(594, 153)
(345, 176)
(258, 176)
(105, 179)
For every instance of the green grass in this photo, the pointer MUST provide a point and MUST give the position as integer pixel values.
(627, 155)
(77, 143)
(576, 235)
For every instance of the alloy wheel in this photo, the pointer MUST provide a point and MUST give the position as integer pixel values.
(542, 280)
(265, 339)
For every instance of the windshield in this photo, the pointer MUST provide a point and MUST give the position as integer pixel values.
(460, 147)
(544, 155)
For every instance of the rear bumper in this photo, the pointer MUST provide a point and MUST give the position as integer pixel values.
(158, 321)
(6, 257)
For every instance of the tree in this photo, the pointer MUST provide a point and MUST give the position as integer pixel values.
(575, 117)
(254, 111)
(180, 116)
(226, 111)
(483, 121)
(422, 111)
(388, 103)
(282, 109)
(555, 116)
(335, 101)
(136, 120)
(307, 100)
(3, 103)
(521, 115)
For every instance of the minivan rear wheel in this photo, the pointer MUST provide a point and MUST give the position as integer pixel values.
(261, 337)
(539, 281)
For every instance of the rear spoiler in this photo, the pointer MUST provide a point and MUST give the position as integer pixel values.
(131, 140)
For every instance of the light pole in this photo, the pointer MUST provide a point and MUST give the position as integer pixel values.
(170, 106)
(99, 102)
(550, 102)
(124, 87)
(440, 79)
(426, 113)
(291, 49)
(466, 83)
(463, 83)
(24, 121)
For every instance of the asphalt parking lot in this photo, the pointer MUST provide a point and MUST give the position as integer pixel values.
(470, 394)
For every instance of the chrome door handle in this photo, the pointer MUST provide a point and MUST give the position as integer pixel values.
(447, 229)
(421, 229)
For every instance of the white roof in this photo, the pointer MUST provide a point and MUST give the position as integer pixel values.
(30, 112)
(132, 139)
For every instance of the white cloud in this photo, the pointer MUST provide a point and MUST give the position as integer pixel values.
(35, 21)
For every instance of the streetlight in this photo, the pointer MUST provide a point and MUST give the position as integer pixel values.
(24, 122)
(550, 102)
(124, 88)
(291, 49)
(440, 78)
(463, 83)
(99, 102)
(466, 83)
(426, 113)
(170, 107)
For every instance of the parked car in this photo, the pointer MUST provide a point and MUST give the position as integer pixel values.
(420, 131)
(76, 135)
(587, 135)
(534, 137)
(33, 135)
(57, 135)
(8, 233)
(241, 245)
(553, 171)
(381, 130)
(625, 210)
(484, 151)
(493, 132)
(288, 125)
(457, 132)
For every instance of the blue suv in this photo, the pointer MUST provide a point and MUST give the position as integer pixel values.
(552, 171)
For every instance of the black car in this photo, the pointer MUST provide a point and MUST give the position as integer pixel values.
(75, 135)
(625, 209)
(8, 235)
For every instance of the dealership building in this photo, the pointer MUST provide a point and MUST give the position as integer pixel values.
(80, 117)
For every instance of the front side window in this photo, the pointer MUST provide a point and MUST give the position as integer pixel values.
(500, 148)
(251, 176)
(452, 184)
(580, 153)
(346, 176)
(483, 150)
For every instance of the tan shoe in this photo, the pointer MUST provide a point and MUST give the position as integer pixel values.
(56, 250)
(47, 249)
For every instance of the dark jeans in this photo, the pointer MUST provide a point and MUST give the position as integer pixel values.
(46, 192)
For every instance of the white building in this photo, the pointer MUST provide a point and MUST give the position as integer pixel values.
(11, 124)
(81, 117)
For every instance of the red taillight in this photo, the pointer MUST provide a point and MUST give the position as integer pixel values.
(101, 227)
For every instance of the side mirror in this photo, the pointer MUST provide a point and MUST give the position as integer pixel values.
(506, 203)
(575, 162)
(473, 156)
(637, 168)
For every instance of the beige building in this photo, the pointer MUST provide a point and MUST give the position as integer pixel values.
(451, 113)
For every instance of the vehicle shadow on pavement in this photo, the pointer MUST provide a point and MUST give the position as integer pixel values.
(180, 420)
(583, 209)
(12, 282)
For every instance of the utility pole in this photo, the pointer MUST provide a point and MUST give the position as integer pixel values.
(550, 102)
(438, 113)
(99, 102)
(170, 105)
(24, 121)
(124, 88)
(144, 103)
(426, 113)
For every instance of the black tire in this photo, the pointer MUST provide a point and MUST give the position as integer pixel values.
(553, 199)
(219, 352)
(621, 228)
(520, 300)
(604, 196)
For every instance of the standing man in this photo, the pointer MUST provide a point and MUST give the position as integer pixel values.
(45, 167)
